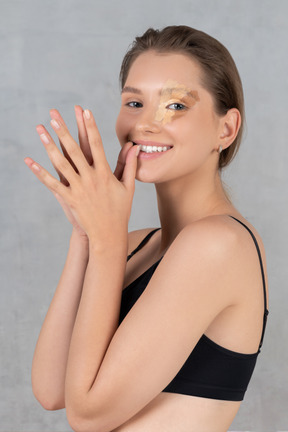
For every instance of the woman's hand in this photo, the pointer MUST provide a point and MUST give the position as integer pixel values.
(93, 199)
(84, 145)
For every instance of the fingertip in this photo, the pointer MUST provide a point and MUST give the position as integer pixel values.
(133, 152)
(53, 112)
(31, 164)
(128, 145)
(40, 128)
(137, 150)
(87, 114)
(79, 113)
(78, 109)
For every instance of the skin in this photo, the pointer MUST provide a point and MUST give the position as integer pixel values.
(83, 361)
(170, 92)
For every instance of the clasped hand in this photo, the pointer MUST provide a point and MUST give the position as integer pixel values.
(93, 198)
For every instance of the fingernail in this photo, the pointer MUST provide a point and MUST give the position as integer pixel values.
(87, 114)
(44, 138)
(55, 124)
(35, 167)
(138, 150)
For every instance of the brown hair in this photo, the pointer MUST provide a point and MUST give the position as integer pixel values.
(220, 74)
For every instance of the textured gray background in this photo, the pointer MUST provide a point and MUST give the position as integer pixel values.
(61, 53)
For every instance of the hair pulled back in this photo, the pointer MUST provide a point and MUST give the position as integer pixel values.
(220, 76)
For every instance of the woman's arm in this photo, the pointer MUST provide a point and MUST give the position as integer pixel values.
(50, 359)
(114, 372)
(51, 353)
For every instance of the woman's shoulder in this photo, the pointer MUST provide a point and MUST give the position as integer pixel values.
(221, 251)
(224, 236)
(226, 226)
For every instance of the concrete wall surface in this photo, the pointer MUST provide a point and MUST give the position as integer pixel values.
(59, 53)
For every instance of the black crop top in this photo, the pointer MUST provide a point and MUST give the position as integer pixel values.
(211, 371)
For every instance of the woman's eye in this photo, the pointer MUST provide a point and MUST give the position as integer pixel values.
(134, 104)
(176, 106)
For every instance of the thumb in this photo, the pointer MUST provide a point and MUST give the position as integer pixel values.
(129, 172)
(122, 160)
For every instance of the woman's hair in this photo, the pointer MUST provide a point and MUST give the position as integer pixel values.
(220, 75)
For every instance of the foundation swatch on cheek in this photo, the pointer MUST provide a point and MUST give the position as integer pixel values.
(172, 92)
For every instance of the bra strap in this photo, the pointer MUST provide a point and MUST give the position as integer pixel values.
(266, 312)
(143, 242)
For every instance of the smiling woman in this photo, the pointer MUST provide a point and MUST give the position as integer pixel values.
(168, 337)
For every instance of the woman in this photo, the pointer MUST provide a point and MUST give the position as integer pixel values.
(191, 300)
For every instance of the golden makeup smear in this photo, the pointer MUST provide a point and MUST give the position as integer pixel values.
(172, 90)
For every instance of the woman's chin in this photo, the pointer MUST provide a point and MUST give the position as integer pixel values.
(145, 175)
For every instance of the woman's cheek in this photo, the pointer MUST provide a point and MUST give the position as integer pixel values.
(122, 128)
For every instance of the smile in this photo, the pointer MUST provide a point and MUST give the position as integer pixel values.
(153, 149)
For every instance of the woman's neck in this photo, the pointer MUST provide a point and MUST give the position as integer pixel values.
(181, 202)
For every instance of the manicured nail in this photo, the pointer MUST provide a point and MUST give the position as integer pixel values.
(44, 138)
(55, 124)
(87, 114)
(35, 167)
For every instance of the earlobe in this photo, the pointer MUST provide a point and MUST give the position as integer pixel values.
(230, 127)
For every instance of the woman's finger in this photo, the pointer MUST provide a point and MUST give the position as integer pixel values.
(47, 179)
(118, 172)
(61, 176)
(55, 113)
(65, 153)
(129, 173)
(95, 141)
(82, 134)
(63, 168)
(72, 150)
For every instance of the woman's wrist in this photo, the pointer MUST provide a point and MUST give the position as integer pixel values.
(115, 242)
(78, 240)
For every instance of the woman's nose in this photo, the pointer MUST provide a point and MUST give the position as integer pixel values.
(147, 122)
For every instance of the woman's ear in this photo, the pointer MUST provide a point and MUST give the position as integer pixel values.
(230, 124)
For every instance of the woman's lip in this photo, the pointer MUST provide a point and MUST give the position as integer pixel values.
(151, 143)
(151, 156)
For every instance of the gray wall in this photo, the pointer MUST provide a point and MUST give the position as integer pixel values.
(58, 53)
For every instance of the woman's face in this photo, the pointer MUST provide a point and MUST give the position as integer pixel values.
(165, 108)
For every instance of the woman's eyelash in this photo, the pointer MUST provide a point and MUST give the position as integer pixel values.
(134, 104)
(177, 106)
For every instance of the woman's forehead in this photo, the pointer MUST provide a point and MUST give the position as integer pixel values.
(152, 67)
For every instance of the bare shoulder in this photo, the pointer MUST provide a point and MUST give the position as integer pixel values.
(135, 237)
(216, 232)
(221, 231)
(221, 240)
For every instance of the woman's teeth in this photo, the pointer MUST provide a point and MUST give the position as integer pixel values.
(153, 149)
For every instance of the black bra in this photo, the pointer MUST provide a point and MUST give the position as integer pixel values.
(211, 371)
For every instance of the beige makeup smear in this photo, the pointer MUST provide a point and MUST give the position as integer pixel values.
(172, 90)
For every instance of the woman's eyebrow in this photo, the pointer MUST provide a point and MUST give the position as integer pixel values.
(169, 90)
(129, 89)
(185, 92)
